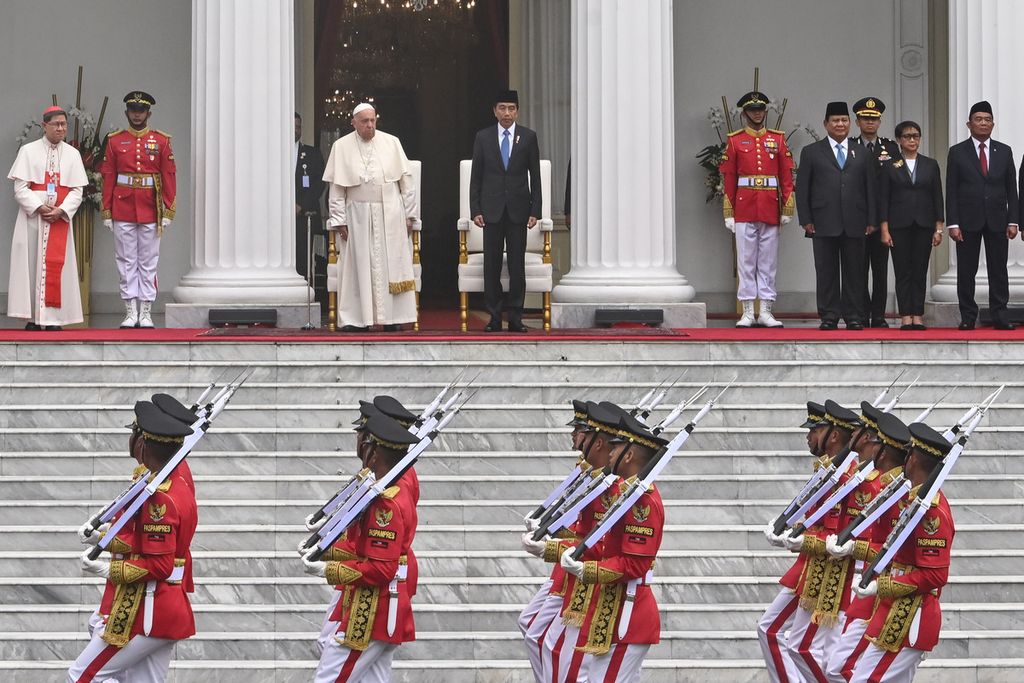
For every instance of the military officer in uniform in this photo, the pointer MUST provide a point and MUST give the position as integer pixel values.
(374, 614)
(757, 176)
(869, 112)
(148, 609)
(139, 202)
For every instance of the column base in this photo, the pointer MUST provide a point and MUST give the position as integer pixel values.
(291, 316)
(942, 313)
(581, 316)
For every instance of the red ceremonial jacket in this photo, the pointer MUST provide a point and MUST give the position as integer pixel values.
(143, 159)
(765, 164)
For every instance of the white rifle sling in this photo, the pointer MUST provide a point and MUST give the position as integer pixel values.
(400, 575)
(627, 607)
(147, 614)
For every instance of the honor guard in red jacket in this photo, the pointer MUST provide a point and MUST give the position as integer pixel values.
(622, 620)
(374, 614)
(757, 178)
(907, 618)
(139, 201)
(149, 609)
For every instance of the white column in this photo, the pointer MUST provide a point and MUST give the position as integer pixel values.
(981, 34)
(243, 103)
(623, 156)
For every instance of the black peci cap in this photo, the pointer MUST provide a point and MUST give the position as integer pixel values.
(836, 109)
(982, 107)
(507, 96)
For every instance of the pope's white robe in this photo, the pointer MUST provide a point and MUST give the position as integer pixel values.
(26, 288)
(372, 192)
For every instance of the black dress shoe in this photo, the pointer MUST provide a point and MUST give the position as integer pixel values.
(1002, 325)
(393, 328)
(493, 326)
(918, 326)
(908, 326)
(517, 326)
(966, 326)
(32, 327)
(879, 322)
(828, 325)
(354, 328)
(854, 325)
(53, 328)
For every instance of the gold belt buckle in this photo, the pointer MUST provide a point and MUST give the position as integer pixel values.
(759, 182)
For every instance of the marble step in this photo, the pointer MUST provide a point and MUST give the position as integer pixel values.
(480, 487)
(462, 590)
(285, 537)
(477, 617)
(511, 512)
(458, 645)
(671, 562)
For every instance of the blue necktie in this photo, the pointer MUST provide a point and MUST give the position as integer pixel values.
(506, 147)
(840, 156)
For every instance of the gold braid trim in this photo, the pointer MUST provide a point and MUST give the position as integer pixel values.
(813, 546)
(814, 573)
(862, 551)
(789, 208)
(553, 551)
(339, 574)
(121, 572)
(127, 601)
(119, 546)
(890, 587)
(602, 626)
(579, 604)
(158, 191)
(727, 210)
(338, 555)
(897, 623)
(830, 600)
(566, 534)
(401, 286)
(593, 573)
(360, 620)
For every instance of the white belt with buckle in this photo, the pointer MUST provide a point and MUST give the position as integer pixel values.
(134, 181)
(400, 575)
(758, 181)
(627, 606)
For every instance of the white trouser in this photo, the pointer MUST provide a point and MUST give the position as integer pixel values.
(771, 635)
(95, 621)
(344, 665)
(887, 667)
(328, 628)
(846, 652)
(137, 251)
(810, 645)
(757, 258)
(563, 663)
(621, 664)
(534, 621)
(142, 660)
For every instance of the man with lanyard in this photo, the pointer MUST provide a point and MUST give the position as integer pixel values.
(139, 202)
(149, 610)
(48, 177)
(623, 622)
(374, 615)
(757, 180)
(907, 618)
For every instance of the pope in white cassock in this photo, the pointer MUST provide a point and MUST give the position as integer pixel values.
(48, 177)
(372, 205)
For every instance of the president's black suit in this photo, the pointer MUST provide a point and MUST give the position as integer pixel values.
(912, 205)
(506, 199)
(981, 206)
(840, 203)
(309, 187)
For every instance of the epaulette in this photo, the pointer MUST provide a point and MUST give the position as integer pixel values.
(936, 499)
(390, 492)
(115, 132)
(777, 132)
(875, 474)
(165, 486)
(736, 132)
(160, 132)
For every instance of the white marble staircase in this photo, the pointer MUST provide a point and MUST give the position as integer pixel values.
(273, 456)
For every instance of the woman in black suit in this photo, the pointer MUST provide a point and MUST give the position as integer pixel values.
(910, 207)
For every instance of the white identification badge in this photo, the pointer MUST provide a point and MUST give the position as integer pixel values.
(305, 181)
(51, 192)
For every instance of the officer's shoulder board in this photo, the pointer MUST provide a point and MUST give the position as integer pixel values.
(390, 492)
(777, 132)
(115, 133)
(735, 132)
(166, 486)
(160, 132)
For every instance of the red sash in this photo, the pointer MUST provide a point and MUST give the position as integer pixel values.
(56, 247)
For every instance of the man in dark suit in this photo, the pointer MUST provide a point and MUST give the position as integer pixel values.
(505, 200)
(835, 198)
(981, 206)
(309, 187)
(868, 111)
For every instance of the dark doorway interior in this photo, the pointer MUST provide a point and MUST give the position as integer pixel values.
(431, 74)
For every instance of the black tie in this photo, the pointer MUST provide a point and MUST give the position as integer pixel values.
(871, 147)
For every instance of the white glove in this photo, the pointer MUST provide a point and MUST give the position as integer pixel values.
(108, 224)
(532, 547)
(89, 536)
(301, 548)
(770, 536)
(531, 523)
(100, 568)
(793, 544)
(785, 220)
(313, 568)
(574, 567)
(730, 224)
(165, 222)
(835, 550)
(315, 526)
(869, 592)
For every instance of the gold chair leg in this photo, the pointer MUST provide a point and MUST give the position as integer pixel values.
(416, 325)
(547, 311)
(464, 310)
